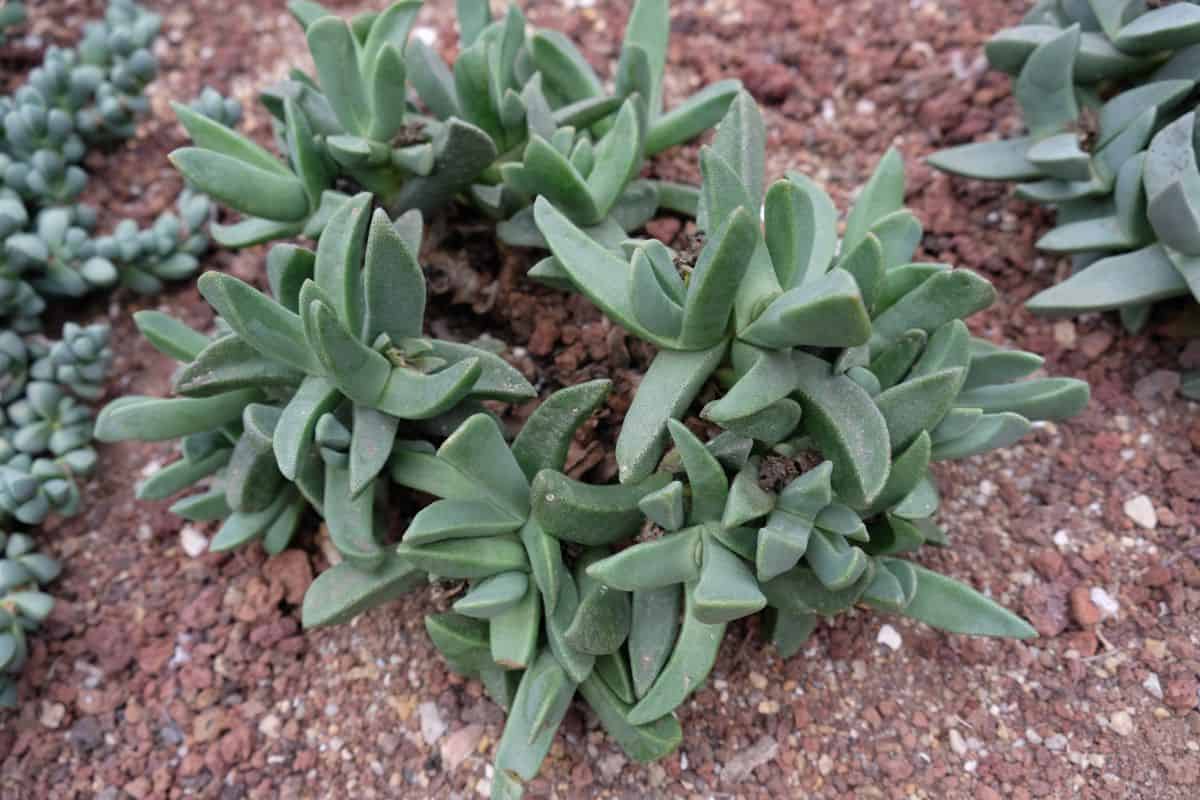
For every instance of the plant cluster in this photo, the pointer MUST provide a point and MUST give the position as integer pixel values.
(845, 366)
(77, 99)
(1107, 89)
(520, 114)
(23, 605)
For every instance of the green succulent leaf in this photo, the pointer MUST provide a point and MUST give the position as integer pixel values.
(952, 606)
(344, 591)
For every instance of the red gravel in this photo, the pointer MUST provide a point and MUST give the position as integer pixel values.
(161, 675)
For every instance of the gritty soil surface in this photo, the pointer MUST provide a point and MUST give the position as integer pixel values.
(165, 675)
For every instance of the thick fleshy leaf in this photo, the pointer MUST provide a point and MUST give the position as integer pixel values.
(293, 439)
(351, 519)
(824, 312)
(770, 379)
(847, 426)
(908, 471)
(557, 619)
(563, 67)
(169, 336)
(601, 621)
(229, 364)
(789, 631)
(344, 591)
(665, 506)
(991, 431)
(618, 156)
(943, 297)
(335, 52)
(727, 589)
(393, 284)
(691, 117)
(458, 519)
(478, 450)
(1167, 28)
(952, 606)
(541, 703)
(250, 189)
(666, 561)
(714, 282)
(546, 435)
(1002, 160)
(652, 631)
(892, 363)
(918, 405)
(1045, 88)
(667, 389)
(706, 476)
(799, 591)
(261, 322)
(467, 559)
(513, 631)
(151, 419)
(882, 194)
(588, 514)
(644, 743)
(691, 660)
(1142, 276)
(1037, 399)
(801, 230)
(432, 79)
(209, 134)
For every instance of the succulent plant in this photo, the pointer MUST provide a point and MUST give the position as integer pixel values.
(12, 14)
(31, 488)
(212, 104)
(58, 255)
(1106, 88)
(299, 402)
(23, 605)
(80, 361)
(764, 310)
(852, 373)
(520, 114)
(169, 250)
(14, 366)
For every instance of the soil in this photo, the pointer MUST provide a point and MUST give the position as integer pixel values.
(165, 675)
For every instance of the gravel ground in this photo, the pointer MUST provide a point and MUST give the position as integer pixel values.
(168, 674)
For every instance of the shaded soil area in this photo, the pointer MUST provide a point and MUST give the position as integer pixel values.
(166, 675)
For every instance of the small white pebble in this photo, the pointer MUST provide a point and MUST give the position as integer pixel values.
(1141, 511)
(1062, 539)
(1105, 602)
(889, 637)
(193, 542)
(1121, 723)
(1152, 685)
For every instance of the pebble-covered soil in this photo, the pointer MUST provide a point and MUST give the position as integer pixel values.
(165, 672)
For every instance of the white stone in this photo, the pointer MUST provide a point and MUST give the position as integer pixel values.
(432, 726)
(1121, 722)
(1153, 686)
(193, 542)
(1141, 511)
(957, 744)
(889, 637)
(1105, 602)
